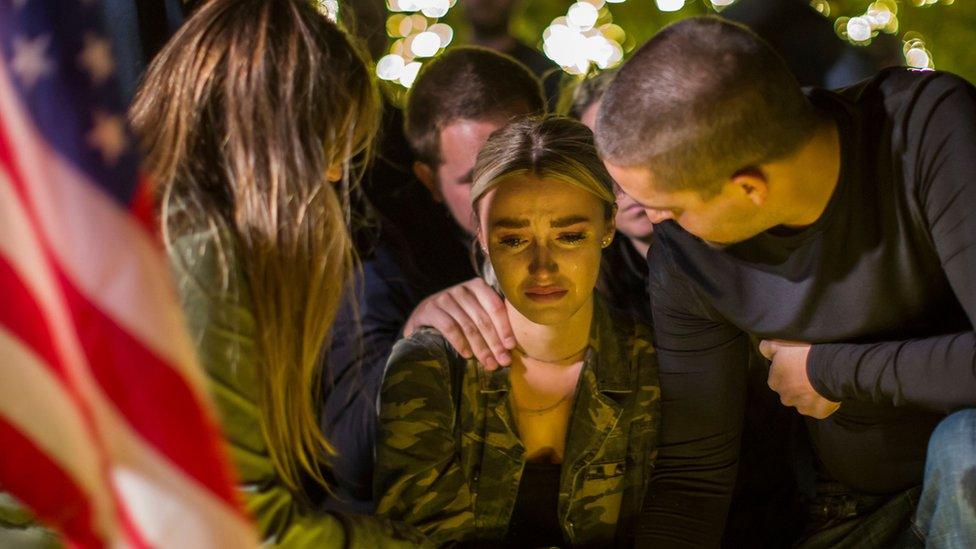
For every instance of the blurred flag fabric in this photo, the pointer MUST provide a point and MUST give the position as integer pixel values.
(106, 431)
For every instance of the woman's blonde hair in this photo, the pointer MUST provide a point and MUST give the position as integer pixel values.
(241, 116)
(551, 147)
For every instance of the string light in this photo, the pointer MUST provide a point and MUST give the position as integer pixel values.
(390, 67)
(409, 74)
(417, 35)
(881, 16)
(584, 37)
(822, 7)
(670, 5)
(917, 55)
(581, 16)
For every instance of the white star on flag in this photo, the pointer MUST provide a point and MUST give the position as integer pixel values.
(108, 136)
(96, 58)
(29, 62)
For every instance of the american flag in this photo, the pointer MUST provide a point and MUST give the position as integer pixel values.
(105, 427)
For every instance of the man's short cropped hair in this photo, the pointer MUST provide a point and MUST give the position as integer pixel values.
(467, 83)
(703, 99)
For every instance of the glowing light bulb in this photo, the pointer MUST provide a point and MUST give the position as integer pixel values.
(444, 32)
(389, 67)
(582, 15)
(598, 50)
(858, 29)
(918, 58)
(822, 7)
(670, 5)
(425, 44)
(435, 8)
(405, 27)
(409, 74)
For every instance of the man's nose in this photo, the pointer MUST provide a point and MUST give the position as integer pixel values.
(657, 216)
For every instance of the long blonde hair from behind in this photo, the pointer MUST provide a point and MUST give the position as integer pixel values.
(241, 116)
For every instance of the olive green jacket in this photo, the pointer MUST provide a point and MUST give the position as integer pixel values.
(20, 529)
(449, 459)
(223, 329)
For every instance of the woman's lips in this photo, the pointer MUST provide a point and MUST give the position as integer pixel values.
(546, 293)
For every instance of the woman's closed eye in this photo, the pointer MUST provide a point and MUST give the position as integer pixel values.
(572, 238)
(512, 241)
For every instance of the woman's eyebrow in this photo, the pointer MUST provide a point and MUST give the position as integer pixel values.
(510, 223)
(521, 223)
(568, 221)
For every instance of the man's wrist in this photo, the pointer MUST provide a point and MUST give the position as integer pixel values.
(819, 363)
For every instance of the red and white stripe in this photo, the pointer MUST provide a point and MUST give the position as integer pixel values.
(103, 410)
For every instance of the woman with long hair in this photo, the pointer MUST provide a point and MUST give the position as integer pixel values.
(249, 119)
(557, 449)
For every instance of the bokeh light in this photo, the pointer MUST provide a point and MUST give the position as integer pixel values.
(417, 34)
(670, 5)
(584, 38)
(425, 44)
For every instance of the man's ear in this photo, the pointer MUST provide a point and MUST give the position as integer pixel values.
(752, 183)
(426, 175)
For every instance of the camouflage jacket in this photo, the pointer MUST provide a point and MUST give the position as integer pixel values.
(449, 460)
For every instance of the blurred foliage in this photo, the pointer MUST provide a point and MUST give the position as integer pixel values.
(948, 28)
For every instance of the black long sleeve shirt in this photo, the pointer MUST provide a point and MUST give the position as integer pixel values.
(883, 285)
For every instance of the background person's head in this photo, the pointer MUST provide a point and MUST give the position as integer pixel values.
(691, 124)
(631, 220)
(488, 18)
(457, 101)
(248, 118)
(544, 205)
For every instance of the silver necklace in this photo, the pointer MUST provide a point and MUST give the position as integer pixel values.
(549, 408)
(522, 352)
(544, 409)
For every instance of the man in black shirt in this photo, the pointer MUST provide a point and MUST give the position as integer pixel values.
(836, 231)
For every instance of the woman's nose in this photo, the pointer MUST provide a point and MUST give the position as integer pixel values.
(541, 260)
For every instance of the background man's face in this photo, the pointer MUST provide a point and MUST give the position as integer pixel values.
(461, 141)
(631, 220)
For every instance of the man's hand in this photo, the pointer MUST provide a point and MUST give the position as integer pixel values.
(473, 319)
(788, 377)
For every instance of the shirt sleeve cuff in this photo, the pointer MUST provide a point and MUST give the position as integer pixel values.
(818, 371)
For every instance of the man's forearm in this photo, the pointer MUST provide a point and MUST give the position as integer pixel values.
(936, 373)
